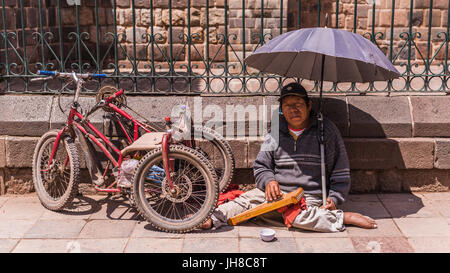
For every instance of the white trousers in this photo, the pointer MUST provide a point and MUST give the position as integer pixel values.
(313, 218)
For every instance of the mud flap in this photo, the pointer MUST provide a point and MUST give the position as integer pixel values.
(93, 165)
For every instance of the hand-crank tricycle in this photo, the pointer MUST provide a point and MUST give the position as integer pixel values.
(174, 184)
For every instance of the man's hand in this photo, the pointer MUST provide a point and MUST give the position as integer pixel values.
(330, 205)
(273, 191)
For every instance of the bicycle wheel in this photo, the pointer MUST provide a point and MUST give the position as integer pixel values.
(193, 197)
(218, 151)
(57, 184)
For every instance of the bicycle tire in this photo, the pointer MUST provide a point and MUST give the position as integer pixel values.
(226, 154)
(187, 218)
(49, 195)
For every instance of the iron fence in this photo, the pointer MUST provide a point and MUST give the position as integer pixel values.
(199, 46)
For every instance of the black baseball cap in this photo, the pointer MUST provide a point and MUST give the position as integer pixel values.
(293, 89)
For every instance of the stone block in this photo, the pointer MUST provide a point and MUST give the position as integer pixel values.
(431, 116)
(366, 119)
(239, 116)
(418, 4)
(363, 181)
(142, 4)
(440, 4)
(25, 115)
(18, 181)
(123, 3)
(19, 151)
(433, 180)
(2, 152)
(442, 153)
(390, 181)
(415, 153)
(2, 183)
(244, 177)
(240, 151)
(435, 18)
(254, 146)
(371, 153)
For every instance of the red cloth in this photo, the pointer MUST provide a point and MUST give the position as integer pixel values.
(230, 193)
(291, 211)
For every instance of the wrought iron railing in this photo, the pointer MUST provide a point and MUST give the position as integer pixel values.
(198, 47)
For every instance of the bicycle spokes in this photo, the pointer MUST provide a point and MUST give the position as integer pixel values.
(184, 199)
(56, 175)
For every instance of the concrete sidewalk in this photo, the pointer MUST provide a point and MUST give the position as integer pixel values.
(417, 222)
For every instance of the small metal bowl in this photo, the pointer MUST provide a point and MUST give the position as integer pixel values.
(267, 234)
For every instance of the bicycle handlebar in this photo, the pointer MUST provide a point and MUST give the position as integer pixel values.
(71, 75)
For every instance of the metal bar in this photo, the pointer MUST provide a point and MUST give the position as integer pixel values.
(261, 37)
(25, 59)
(189, 44)
(281, 16)
(319, 10)
(41, 30)
(170, 46)
(116, 57)
(355, 16)
(80, 65)
(226, 46)
(152, 40)
(299, 12)
(244, 67)
(444, 85)
(391, 41)
(392, 30)
(97, 38)
(98, 143)
(427, 62)
(5, 37)
(410, 37)
(280, 80)
(336, 24)
(135, 68)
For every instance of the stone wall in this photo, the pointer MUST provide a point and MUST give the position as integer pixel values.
(30, 24)
(394, 144)
(212, 38)
(207, 33)
(382, 26)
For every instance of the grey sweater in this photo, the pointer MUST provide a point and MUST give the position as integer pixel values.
(296, 164)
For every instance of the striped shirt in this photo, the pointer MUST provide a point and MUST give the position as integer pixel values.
(295, 161)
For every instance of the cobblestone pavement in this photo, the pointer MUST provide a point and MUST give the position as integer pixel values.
(407, 222)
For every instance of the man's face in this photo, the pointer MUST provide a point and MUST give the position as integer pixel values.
(296, 111)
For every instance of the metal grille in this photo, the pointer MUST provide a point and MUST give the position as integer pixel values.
(184, 47)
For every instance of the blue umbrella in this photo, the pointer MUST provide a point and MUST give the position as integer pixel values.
(323, 54)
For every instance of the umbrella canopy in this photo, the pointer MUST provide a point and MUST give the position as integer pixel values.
(349, 57)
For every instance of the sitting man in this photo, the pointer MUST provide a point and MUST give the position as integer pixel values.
(293, 161)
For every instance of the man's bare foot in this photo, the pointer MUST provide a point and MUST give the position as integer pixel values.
(207, 224)
(359, 220)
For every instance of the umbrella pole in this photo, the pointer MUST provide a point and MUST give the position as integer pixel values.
(321, 137)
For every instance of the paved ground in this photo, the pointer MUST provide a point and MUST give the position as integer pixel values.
(418, 222)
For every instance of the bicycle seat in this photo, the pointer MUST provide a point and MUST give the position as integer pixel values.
(147, 141)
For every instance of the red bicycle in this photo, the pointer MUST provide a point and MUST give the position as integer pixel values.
(175, 186)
